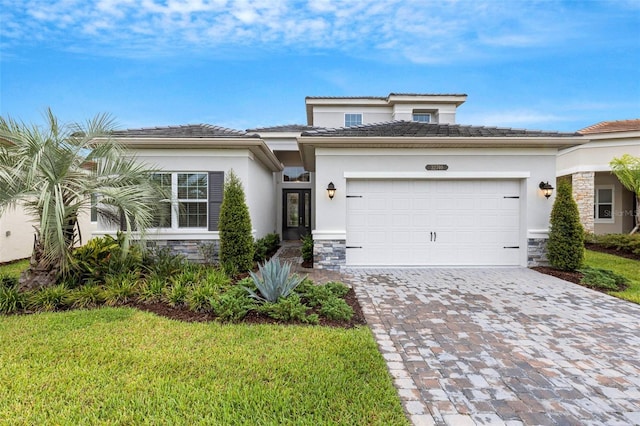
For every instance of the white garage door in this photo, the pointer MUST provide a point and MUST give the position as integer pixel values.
(433, 222)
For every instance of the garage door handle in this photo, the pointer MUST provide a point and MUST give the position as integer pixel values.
(353, 247)
(435, 236)
(516, 247)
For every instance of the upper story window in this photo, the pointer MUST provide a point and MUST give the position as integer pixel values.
(295, 174)
(422, 117)
(603, 206)
(352, 120)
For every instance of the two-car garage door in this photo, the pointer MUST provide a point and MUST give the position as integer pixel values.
(433, 222)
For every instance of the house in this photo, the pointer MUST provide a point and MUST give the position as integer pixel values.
(606, 207)
(378, 181)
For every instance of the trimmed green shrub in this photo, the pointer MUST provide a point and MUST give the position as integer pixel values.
(621, 242)
(275, 281)
(199, 295)
(603, 279)
(307, 248)
(286, 309)
(236, 240)
(8, 281)
(176, 294)
(565, 247)
(336, 309)
(232, 305)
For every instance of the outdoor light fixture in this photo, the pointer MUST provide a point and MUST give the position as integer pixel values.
(547, 189)
(331, 190)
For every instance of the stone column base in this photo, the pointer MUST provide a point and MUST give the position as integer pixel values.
(329, 254)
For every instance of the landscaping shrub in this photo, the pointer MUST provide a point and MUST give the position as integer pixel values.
(603, 279)
(199, 295)
(86, 296)
(12, 300)
(275, 281)
(120, 288)
(336, 309)
(621, 242)
(232, 305)
(287, 309)
(152, 289)
(236, 240)
(565, 247)
(48, 298)
(307, 248)
(162, 262)
(8, 281)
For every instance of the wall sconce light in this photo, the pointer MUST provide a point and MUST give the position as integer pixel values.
(546, 188)
(331, 190)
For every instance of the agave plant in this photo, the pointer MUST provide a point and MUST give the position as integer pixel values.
(275, 281)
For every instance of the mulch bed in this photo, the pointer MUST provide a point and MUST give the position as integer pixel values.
(184, 314)
(613, 251)
(571, 276)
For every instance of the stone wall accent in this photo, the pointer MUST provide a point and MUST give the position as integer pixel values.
(198, 251)
(584, 193)
(329, 254)
(537, 252)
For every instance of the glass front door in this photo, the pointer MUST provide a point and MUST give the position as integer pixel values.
(296, 213)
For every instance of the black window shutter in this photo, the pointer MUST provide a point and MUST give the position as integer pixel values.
(216, 191)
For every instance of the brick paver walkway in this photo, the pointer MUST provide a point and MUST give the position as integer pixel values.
(503, 346)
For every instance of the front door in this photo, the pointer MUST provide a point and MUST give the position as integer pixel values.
(296, 213)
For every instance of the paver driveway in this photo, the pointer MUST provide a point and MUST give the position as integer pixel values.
(503, 346)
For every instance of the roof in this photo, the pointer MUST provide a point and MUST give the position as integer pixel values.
(385, 97)
(418, 129)
(186, 131)
(612, 126)
(284, 128)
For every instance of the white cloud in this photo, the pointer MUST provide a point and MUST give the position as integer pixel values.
(413, 30)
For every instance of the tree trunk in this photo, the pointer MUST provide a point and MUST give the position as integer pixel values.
(40, 273)
(635, 229)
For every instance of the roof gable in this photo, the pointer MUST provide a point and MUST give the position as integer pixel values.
(612, 127)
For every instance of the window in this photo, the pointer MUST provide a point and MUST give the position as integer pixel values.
(94, 208)
(352, 120)
(422, 117)
(188, 208)
(603, 207)
(295, 174)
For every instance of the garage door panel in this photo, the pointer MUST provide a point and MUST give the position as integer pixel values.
(433, 222)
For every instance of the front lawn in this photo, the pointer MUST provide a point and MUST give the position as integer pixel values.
(124, 366)
(628, 268)
(14, 269)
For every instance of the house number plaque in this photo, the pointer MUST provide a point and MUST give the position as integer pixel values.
(437, 167)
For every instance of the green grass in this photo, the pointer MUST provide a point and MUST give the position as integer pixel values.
(123, 366)
(14, 269)
(628, 268)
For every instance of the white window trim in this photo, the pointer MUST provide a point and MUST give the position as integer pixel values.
(413, 114)
(596, 204)
(353, 113)
(175, 203)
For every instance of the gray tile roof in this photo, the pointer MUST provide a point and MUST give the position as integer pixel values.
(416, 129)
(186, 131)
(285, 128)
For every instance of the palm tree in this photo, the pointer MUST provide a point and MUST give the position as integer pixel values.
(53, 172)
(627, 170)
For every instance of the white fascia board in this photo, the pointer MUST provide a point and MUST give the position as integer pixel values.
(412, 152)
(257, 146)
(441, 142)
(601, 144)
(584, 168)
(437, 175)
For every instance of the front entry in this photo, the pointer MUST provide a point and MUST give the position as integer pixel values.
(296, 213)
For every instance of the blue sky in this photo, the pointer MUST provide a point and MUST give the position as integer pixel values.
(557, 65)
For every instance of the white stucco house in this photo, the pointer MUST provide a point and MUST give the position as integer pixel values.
(606, 207)
(412, 187)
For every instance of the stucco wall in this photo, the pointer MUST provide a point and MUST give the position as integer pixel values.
(594, 156)
(17, 233)
(331, 116)
(622, 206)
(332, 163)
(257, 182)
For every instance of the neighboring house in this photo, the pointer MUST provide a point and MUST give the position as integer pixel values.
(411, 186)
(17, 233)
(605, 205)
